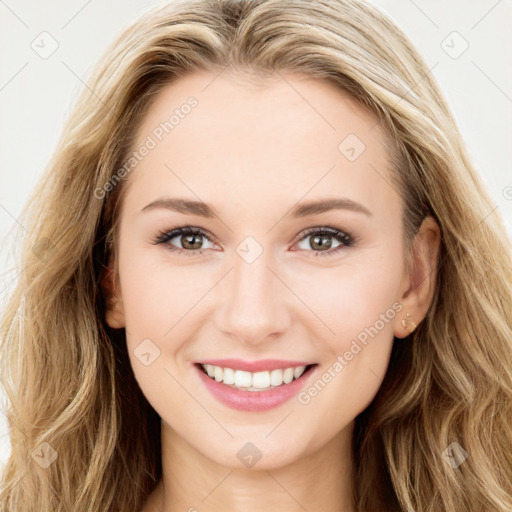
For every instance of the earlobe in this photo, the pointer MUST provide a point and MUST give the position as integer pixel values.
(408, 323)
(422, 276)
(114, 309)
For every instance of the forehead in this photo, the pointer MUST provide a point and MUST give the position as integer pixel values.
(273, 140)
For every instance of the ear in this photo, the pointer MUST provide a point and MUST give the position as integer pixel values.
(114, 313)
(420, 277)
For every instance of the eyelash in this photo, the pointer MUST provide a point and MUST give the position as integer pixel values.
(346, 239)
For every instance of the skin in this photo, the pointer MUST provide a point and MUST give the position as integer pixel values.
(253, 152)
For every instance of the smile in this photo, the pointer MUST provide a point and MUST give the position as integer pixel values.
(257, 381)
(242, 389)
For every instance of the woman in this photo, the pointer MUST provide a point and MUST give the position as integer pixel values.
(261, 271)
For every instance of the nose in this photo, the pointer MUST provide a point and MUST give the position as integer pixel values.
(254, 304)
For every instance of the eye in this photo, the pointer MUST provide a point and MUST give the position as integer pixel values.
(188, 238)
(320, 240)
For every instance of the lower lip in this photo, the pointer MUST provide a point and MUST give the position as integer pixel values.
(254, 400)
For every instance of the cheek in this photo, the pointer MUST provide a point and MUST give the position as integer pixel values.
(352, 298)
(359, 304)
(156, 293)
(352, 373)
(155, 303)
(344, 388)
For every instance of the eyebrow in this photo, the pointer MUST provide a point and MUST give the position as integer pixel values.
(190, 207)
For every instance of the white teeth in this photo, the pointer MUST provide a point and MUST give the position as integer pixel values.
(288, 375)
(276, 377)
(261, 380)
(297, 372)
(242, 379)
(258, 381)
(219, 374)
(229, 376)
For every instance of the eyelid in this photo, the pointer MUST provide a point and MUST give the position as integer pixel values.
(320, 229)
(165, 236)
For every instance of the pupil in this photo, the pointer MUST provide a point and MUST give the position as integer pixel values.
(324, 242)
(187, 238)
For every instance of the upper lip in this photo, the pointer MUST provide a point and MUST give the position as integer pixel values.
(255, 366)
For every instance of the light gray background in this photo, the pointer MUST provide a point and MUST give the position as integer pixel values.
(36, 93)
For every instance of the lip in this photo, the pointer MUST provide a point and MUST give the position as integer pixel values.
(254, 401)
(255, 366)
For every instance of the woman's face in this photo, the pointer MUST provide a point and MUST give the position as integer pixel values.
(260, 280)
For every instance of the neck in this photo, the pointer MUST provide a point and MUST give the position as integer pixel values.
(321, 480)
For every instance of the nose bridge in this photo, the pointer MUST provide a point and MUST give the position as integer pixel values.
(253, 304)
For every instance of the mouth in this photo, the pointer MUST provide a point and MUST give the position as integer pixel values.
(255, 391)
(255, 381)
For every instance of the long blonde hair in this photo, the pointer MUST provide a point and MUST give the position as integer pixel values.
(67, 374)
